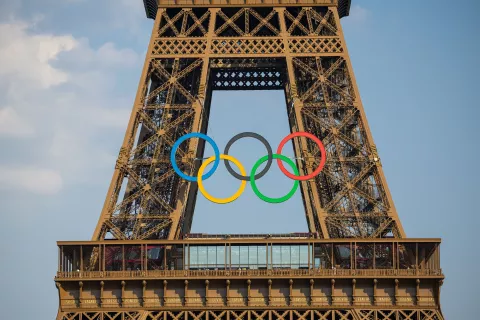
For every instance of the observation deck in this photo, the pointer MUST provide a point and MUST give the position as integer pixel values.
(151, 6)
(261, 270)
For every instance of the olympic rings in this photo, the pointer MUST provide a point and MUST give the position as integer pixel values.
(219, 200)
(320, 146)
(252, 177)
(262, 140)
(254, 184)
(194, 135)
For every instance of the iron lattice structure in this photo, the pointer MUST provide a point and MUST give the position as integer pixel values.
(196, 47)
(196, 50)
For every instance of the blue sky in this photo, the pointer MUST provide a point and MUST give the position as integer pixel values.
(68, 75)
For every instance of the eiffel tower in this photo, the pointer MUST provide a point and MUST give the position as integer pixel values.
(354, 263)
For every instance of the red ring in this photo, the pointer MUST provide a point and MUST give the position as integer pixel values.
(322, 151)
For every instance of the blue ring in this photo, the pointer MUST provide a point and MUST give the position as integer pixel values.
(195, 135)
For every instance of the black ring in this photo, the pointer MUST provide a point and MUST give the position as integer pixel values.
(262, 140)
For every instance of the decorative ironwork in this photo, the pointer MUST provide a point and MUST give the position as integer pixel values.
(269, 78)
(367, 271)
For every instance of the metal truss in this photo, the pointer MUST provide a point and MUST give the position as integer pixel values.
(196, 50)
(199, 46)
(297, 314)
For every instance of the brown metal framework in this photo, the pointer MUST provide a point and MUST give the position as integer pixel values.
(196, 50)
(198, 46)
(335, 279)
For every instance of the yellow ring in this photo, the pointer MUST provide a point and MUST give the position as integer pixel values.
(220, 200)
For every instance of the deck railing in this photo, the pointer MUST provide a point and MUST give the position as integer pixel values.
(248, 273)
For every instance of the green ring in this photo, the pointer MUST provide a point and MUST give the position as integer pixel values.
(254, 185)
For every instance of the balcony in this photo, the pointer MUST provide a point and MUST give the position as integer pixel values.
(249, 258)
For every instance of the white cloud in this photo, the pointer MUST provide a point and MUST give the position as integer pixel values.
(12, 124)
(39, 181)
(28, 57)
(62, 94)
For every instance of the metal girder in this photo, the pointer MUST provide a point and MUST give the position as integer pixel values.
(151, 6)
(239, 314)
(300, 49)
(199, 46)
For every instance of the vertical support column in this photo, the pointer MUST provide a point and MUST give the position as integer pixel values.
(123, 294)
(81, 259)
(102, 284)
(144, 289)
(228, 292)
(59, 289)
(103, 257)
(392, 212)
(308, 253)
(80, 293)
(439, 286)
(332, 295)
(332, 257)
(309, 188)
(354, 282)
(355, 255)
(375, 281)
(201, 108)
(269, 292)
(206, 292)
(417, 291)
(393, 256)
(117, 178)
(165, 292)
(312, 283)
(249, 282)
(123, 258)
(416, 258)
(60, 261)
(290, 292)
(396, 291)
(185, 294)
(165, 267)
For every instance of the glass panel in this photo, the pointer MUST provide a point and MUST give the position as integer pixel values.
(364, 256)
(322, 254)
(193, 257)
(133, 258)
(228, 254)
(303, 256)
(407, 255)
(235, 252)
(244, 256)
(90, 264)
(221, 257)
(154, 257)
(186, 254)
(285, 256)
(276, 256)
(202, 257)
(212, 256)
(342, 256)
(383, 256)
(113, 258)
(295, 257)
(431, 259)
(262, 257)
(253, 257)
